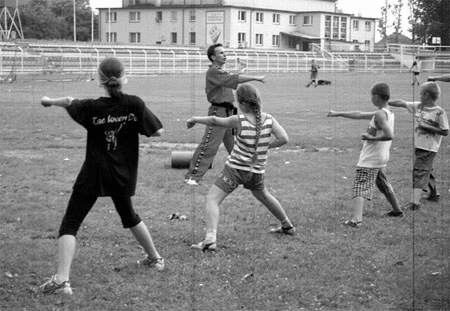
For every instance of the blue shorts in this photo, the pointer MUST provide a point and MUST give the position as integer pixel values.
(230, 178)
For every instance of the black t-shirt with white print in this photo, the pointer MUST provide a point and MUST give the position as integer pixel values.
(113, 127)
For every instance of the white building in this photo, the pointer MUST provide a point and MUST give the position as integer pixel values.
(262, 24)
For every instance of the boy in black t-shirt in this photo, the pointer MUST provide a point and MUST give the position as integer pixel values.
(113, 125)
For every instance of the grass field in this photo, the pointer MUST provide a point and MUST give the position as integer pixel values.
(387, 264)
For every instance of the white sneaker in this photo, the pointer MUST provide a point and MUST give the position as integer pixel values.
(52, 287)
(205, 246)
(191, 182)
(157, 263)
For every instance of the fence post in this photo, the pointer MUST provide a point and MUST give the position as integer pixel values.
(97, 61)
(173, 60)
(21, 58)
(187, 61)
(145, 61)
(80, 58)
(268, 61)
(199, 61)
(159, 61)
(257, 61)
(365, 62)
(287, 62)
(130, 62)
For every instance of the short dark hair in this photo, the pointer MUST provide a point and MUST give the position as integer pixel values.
(212, 50)
(382, 90)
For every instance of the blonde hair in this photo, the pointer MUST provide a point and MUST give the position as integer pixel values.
(432, 88)
(249, 95)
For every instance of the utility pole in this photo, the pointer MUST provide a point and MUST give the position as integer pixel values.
(74, 22)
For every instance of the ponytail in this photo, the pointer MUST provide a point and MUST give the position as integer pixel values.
(257, 112)
(112, 75)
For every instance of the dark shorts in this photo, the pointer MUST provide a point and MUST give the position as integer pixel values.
(80, 204)
(230, 178)
(423, 166)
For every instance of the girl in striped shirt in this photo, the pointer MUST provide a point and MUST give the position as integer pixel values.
(256, 133)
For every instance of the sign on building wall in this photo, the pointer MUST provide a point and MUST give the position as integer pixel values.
(215, 27)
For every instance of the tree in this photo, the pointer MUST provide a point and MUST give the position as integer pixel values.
(431, 18)
(397, 14)
(53, 19)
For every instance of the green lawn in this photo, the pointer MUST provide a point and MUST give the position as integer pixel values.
(387, 264)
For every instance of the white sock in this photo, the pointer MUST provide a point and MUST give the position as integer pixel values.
(211, 236)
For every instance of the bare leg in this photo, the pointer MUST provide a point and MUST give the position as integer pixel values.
(357, 204)
(273, 205)
(66, 252)
(214, 198)
(142, 235)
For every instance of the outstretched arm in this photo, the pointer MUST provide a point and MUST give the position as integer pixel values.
(280, 136)
(351, 114)
(247, 78)
(230, 122)
(443, 78)
(63, 102)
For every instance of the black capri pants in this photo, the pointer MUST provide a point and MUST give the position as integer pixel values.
(80, 204)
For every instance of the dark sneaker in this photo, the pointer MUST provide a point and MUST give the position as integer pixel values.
(284, 230)
(352, 223)
(205, 246)
(434, 197)
(52, 287)
(395, 214)
(157, 263)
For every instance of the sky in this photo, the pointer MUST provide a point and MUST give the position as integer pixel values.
(367, 8)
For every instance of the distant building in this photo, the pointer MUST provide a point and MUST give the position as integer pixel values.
(262, 24)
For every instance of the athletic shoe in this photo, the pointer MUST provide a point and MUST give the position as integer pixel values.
(157, 263)
(191, 182)
(434, 197)
(411, 206)
(205, 246)
(394, 214)
(352, 223)
(52, 287)
(284, 230)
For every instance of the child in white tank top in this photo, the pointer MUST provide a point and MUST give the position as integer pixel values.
(370, 170)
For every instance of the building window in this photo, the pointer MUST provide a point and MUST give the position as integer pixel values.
(135, 37)
(307, 20)
(260, 17)
(291, 19)
(276, 18)
(192, 38)
(259, 40)
(173, 16)
(368, 25)
(192, 17)
(275, 40)
(335, 27)
(356, 25)
(242, 16)
(135, 17)
(173, 37)
(343, 35)
(111, 17)
(158, 17)
(327, 26)
(111, 37)
(367, 42)
(241, 37)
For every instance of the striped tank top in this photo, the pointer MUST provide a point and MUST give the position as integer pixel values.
(242, 155)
